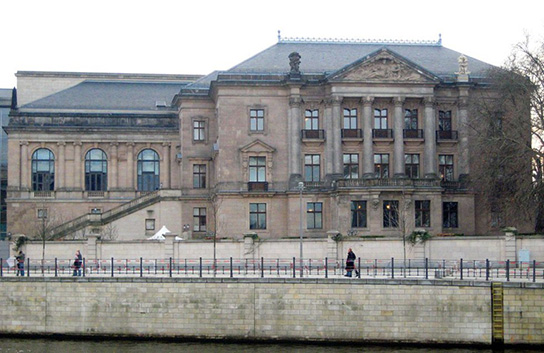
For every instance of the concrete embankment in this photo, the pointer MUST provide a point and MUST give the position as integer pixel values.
(367, 310)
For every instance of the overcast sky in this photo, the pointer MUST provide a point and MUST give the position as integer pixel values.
(197, 37)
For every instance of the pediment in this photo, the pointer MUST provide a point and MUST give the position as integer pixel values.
(257, 146)
(383, 66)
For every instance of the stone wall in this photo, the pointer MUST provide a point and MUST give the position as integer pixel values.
(317, 310)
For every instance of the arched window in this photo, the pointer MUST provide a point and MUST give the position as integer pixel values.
(96, 170)
(148, 170)
(43, 170)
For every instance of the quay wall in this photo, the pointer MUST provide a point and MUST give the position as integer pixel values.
(362, 310)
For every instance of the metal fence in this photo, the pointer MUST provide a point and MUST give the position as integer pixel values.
(281, 267)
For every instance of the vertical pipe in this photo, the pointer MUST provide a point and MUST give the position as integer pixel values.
(461, 267)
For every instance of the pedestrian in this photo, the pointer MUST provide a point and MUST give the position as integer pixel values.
(20, 263)
(350, 264)
(77, 263)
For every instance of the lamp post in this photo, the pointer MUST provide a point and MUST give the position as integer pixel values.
(300, 189)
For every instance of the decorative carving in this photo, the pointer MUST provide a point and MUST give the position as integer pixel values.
(294, 62)
(463, 65)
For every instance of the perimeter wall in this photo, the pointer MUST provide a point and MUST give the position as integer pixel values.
(272, 309)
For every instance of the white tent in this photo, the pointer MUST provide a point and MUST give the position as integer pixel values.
(160, 234)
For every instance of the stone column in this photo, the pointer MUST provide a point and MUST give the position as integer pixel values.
(328, 118)
(60, 183)
(462, 113)
(368, 149)
(130, 165)
(114, 166)
(166, 158)
(398, 135)
(169, 250)
(337, 135)
(430, 140)
(91, 253)
(25, 184)
(78, 162)
(295, 162)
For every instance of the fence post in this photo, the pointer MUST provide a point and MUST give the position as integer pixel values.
(112, 269)
(426, 268)
(359, 268)
(1, 267)
(294, 268)
(170, 268)
(461, 268)
(508, 270)
(326, 267)
(200, 268)
(392, 267)
(56, 268)
(487, 269)
(534, 270)
(262, 267)
(231, 273)
(28, 267)
(141, 267)
(84, 268)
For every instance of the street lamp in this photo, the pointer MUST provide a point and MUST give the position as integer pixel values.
(300, 189)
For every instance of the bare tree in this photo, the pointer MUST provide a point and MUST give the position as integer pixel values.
(215, 205)
(44, 226)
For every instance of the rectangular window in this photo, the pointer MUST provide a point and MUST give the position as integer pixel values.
(449, 215)
(314, 215)
(410, 119)
(351, 166)
(257, 169)
(358, 214)
(199, 176)
(257, 216)
(312, 169)
(380, 119)
(311, 119)
(423, 213)
(445, 167)
(150, 224)
(381, 165)
(41, 213)
(256, 119)
(391, 214)
(444, 120)
(350, 118)
(411, 165)
(198, 130)
(199, 219)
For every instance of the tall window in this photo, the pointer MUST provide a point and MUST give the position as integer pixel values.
(311, 119)
(445, 167)
(199, 176)
(358, 214)
(198, 130)
(444, 120)
(96, 170)
(449, 215)
(391, 214)
(380, 119)
(423, 213)
(148, 170)
(351, 166)
(410, 119)
(257, 169)
(312, 167)
(257, 216)
(199, 219)
(381, 165)
(350, 118)
(411, 165)
(314, 215)
(256, 119)
(43, 170)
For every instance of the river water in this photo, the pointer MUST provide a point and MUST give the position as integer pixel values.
(12, 345)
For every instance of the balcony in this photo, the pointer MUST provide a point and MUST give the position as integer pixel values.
(313, 134)
(412, 133)
(352, 133)
(447, 136)
(43, 194)
(257, 186)
(382, 133)
(386, 182)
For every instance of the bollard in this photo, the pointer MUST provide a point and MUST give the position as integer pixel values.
(487, 269)
(359, 268)
(326, 267)
(426, 268)
(28, 267)
(112, 270)
(392, 267)
(461, 268)
(231, 272)
(508, 270)
(56, 267)
(84, 267)
(141, 267)
(534, 270)
(170, 268)
(200, 268)
(294, 268)
(262, 267)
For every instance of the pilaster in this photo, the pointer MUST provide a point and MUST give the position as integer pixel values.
(430, 140)
(398, 135)
(60, 175)
(368, 147)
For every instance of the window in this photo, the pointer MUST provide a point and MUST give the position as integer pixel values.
(314, 215)
(312, 167)
(198, 130)
(257, 216)
(96, 170)
(423, 213)
(391, 214)
(42, 213)
(257, 169)
(199, 176)
(199, 219)
(444, 120)
(256, 120)
(350, 118)
(311, 120)
(411, 165)
(449, 215)
(351, 166)
(96, 210)
(410, 119)
(380, 119)
(150, 224)
(43, 170)
(358, 214)
(148, 170)
(445, 167)
(381, 165)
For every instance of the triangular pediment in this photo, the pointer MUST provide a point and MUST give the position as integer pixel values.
(383, 66)
(257, 146)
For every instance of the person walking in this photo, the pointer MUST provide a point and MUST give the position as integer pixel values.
(350, 263)
(77, 263)
(20, 258)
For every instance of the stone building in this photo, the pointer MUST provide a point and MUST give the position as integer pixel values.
(361, 138)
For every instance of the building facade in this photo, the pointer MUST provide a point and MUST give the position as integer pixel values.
(305, 138)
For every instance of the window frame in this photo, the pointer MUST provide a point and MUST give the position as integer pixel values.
(422, 213)
(381, 169)
(381, 116)
(446, 167)
(255, 119)
(257, 169)
(198, 130)
(43, 180)
(359, 214)
(350, 118)
(450, 214)
(96, 180)
(311, 119)
(411, 119)
(350, 166)
(391, 214)
(141, 164)
(200, 219)
(149, 224)
(314, 215)
(312, 168)
(257, 216)
(411, 169)
(445, 120)
(199, 176)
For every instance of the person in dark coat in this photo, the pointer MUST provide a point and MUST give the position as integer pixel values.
(20, 258)
(350, 263)
(77, 264)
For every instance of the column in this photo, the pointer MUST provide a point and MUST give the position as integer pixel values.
(329, 142)
(25, 185)
(78, 162)
(430, 139)
(114, 166)
(166, 158)
(337, 135)
(368, 149)
(398, 125)
(169, 249)
(463, 156)
(60, 175)
(295, 102)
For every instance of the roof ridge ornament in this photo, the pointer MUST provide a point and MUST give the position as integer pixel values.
(358, 41)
